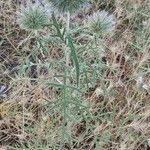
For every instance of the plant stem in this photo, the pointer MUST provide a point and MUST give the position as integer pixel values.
(68, 22)
(68, 31)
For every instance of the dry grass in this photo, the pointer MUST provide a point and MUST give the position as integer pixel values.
(110, 112)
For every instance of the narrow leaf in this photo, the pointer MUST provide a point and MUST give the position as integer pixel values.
(75, 58)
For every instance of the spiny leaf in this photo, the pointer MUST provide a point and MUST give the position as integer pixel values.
(75, 58)
(55, 23)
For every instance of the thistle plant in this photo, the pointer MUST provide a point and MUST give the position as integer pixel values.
(64, 6)
(66, 85)
(68, 7)
(101, 23)
(32, 17)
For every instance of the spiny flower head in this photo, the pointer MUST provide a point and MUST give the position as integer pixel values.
(101, 22)
(32, 17)
(67, 5)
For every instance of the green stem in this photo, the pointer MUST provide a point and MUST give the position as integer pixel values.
(68, 31)
(68, 22)
(67, 53)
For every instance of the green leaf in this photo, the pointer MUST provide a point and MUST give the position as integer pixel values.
(62, 86)
(75, 58)
(55, 23)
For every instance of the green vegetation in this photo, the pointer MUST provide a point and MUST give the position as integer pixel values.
(75, 76)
